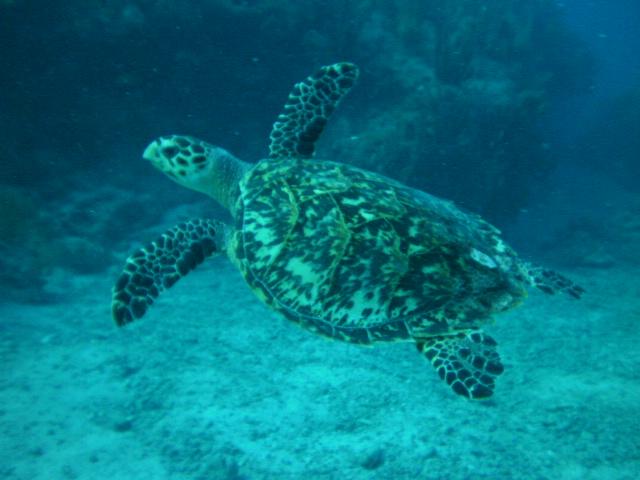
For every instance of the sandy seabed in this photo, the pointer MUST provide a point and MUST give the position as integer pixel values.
(212, 385)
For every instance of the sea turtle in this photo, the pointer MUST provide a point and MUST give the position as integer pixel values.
(346, 253)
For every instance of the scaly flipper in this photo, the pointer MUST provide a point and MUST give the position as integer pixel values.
(310, 104)
(161, 264)
(551, 282)
(468, 362)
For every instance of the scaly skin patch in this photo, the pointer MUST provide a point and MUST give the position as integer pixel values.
(358, 257)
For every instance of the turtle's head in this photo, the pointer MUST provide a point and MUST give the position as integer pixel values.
(197, 165)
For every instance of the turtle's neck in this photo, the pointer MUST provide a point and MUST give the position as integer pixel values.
(226, 172)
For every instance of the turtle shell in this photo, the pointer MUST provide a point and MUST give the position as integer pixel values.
(358, 257)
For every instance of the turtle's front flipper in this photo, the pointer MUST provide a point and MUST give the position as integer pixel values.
(468, 362)
(162, 263)
(310, 104)
(551, 282)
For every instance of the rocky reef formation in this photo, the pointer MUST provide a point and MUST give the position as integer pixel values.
(612, 145)
(465, 88)
(37, 239)
(41, 239)
(588, 242)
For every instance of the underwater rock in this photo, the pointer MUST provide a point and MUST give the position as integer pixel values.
(459, 86)
(582, 245)
(599, 242)
(84, 256)
(613, 144)
(374, 460)
(463, 89)
(73, 234)
(25, 245)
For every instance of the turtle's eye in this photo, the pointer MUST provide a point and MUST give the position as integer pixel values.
(170, 152)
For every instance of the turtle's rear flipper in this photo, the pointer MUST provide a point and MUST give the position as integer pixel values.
(551, 282)
(469, 363)
(162, 263)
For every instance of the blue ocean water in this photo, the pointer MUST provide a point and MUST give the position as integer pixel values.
(527, 113)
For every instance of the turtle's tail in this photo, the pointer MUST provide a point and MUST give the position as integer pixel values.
(551, 282)
(161, 264)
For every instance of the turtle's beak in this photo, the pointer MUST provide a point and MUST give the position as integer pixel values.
(153, 154)
(150, 151)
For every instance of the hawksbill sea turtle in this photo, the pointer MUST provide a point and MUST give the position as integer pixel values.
(345, 253)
